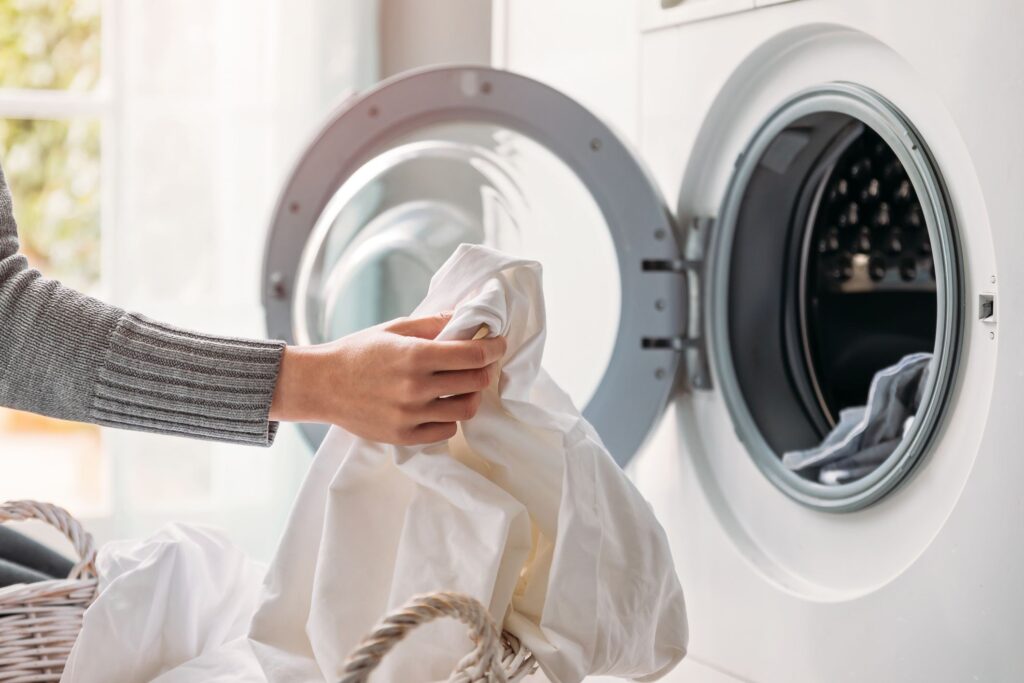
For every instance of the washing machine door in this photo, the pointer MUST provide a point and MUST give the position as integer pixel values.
(402, 175)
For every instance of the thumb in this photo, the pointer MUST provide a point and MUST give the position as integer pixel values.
(426, 327)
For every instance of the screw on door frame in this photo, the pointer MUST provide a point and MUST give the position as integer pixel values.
(277, 287)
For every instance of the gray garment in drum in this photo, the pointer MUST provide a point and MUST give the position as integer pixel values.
(70, 356)
(866, 435)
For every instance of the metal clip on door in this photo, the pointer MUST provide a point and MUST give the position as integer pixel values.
(692, 342)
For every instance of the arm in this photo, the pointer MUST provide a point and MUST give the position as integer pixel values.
(67, 355)
(70, 356)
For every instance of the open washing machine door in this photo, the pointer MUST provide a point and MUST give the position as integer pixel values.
(403, 174)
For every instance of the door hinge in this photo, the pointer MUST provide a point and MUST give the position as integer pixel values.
(692, 343)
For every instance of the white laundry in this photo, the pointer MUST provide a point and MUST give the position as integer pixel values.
(524, 510)
(166, 600)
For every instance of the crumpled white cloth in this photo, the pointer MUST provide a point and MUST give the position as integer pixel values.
(866, 435)
(524, 510)
(167, 600)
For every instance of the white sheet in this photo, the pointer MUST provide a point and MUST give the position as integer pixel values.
(524, 510)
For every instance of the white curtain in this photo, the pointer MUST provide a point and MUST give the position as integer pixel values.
(215, 100)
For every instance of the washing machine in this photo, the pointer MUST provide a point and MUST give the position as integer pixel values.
(796, 132)
(822, 187)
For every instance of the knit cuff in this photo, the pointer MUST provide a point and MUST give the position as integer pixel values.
(162, 379)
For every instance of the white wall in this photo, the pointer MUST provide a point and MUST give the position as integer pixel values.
(417, 33)
(589, 50)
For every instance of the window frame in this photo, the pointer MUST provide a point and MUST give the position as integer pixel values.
(102, 103)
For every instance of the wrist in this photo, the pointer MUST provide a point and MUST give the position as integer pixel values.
(292, 393)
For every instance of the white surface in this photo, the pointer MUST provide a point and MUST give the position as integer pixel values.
(588, 50)
(654, 15)
(925, 585)
(415, 34)
(525, 511)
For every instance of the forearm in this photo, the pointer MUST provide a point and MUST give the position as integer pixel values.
(70, 356)
(162, 379)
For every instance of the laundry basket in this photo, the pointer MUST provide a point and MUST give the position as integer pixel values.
(496, 658)
(39, 622)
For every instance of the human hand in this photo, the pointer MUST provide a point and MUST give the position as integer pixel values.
(386, 383)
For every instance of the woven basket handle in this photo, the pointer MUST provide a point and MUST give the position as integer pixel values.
(483, 661)
(61, 519)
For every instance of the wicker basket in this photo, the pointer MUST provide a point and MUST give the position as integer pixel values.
(495, 659)
(39, 622)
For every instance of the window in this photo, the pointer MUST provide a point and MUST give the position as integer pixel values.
(53, 169)
(50, 44)
(54, 105)
(145, 144)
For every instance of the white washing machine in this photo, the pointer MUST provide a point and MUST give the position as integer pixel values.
(911, 572)
(844, 181)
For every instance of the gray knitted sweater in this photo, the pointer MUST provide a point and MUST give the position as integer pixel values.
(70, 356)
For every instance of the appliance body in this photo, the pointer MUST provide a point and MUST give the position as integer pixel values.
(923, 584)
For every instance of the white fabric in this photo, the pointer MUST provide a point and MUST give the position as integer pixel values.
(167, 600)
(524, 510)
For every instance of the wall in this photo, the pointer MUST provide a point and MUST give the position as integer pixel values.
(415, 33)
(589, 50)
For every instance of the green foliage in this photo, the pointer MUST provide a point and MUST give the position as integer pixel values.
(49, 44)
(53, 167)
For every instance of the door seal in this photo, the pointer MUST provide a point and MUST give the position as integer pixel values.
(692, 342)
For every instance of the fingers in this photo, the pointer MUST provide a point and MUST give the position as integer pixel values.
(461, 355)
(432, 431)
(453, 408)
(458, 371)
(425, 328)
(456, 382)
(441, 416)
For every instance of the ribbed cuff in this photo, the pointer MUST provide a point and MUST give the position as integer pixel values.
(162, 379)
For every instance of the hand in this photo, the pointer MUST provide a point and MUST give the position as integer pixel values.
(385, 383)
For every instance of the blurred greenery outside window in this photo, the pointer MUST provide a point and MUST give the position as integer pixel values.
(50, 49)
(53, 170)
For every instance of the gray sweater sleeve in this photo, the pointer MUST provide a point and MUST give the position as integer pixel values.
(67, 355)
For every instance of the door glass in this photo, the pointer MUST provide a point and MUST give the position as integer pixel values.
(399, 217)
